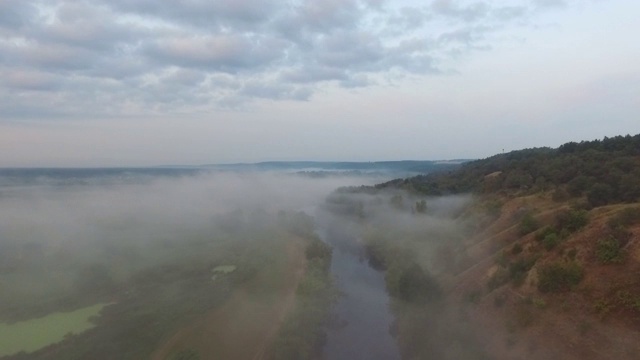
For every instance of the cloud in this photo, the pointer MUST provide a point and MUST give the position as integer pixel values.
(550, 3)
(219, 52)
(30, 80)
(99, 57)
(453, 9)
(14, 14)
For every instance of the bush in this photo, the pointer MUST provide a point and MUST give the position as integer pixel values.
(600, 194)
(550, 241)
(540, 235)
(414, 285)
(317, 249)
(516, 249)
(527, 224)
(625, 218)
(518, 270)
(559, 276)
(609, 251)
(572, 220)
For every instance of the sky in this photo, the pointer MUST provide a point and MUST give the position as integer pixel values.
(141, 83)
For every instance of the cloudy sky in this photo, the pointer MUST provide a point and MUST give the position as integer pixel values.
(142, 82)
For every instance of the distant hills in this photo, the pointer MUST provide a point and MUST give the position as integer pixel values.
(376, 170)
(401, 166)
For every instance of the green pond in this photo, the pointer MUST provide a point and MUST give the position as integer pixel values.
(222, 269)
(34, 334)
(225, 269)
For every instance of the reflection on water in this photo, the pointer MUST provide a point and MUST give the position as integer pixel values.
(363, 312)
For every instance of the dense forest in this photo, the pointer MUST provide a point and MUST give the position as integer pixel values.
(606, 171)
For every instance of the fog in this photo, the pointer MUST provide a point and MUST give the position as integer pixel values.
(48, 211)
(68, 241)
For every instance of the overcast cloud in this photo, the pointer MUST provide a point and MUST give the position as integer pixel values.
(102, 59)
(99, 55)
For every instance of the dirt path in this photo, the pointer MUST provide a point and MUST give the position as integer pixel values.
(245, 326)
(296, 254)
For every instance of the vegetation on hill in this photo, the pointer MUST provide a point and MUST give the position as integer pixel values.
(605, 171)
(550, 240)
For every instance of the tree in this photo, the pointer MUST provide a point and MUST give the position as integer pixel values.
(600, 194)
(397, 202)
(421, 206)
(414, 285)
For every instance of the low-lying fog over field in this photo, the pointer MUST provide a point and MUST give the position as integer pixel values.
(197, 264)
(80, 208)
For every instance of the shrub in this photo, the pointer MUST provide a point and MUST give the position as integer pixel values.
(540, 235)
(518, 270)
(416, 286)
(609, 251)
(516, 249)
(317, 249)
(421, 206)
(572, 220)
(550, 241)
(539, 303)
(527, 224)
(559, 276)
(625, 218)
(501, 259)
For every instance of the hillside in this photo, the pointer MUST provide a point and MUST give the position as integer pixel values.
(544, 261)
(605, 171)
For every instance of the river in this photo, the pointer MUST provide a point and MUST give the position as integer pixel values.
(363, 313)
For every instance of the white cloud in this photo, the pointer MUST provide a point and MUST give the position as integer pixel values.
(312, 42)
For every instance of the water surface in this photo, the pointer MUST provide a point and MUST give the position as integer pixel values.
(363, 312)
(34, 334)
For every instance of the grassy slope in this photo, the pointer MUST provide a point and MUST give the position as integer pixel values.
(599, 317)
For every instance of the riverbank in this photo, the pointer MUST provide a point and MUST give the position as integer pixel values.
(245, 325)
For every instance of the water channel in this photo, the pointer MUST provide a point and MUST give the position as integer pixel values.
(363, 315)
